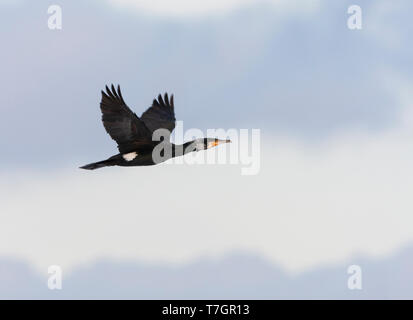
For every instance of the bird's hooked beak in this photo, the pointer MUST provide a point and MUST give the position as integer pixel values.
(217, 142)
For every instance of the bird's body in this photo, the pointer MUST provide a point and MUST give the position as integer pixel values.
(134, 135)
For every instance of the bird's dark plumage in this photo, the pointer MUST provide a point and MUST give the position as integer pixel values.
(134, 135)
(121, 123)
(161, 115)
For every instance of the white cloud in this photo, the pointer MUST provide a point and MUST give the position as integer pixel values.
(190, 8)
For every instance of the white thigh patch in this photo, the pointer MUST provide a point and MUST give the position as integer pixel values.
(129, 156)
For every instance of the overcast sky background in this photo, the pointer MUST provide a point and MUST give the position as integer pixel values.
(335, 109)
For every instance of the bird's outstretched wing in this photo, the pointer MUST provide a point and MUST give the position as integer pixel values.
(161, 115)
(124, 126)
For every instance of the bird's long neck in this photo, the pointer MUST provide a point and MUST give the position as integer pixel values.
(181, 149)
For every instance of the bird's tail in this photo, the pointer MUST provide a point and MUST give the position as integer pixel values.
(97, 165)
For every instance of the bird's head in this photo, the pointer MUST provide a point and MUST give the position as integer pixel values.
(205, 143)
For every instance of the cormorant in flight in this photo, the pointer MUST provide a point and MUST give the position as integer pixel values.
(134, 135)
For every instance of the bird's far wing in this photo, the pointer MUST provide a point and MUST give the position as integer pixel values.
(121, 123)
(161, 115)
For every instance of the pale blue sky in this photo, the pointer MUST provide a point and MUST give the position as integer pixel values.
(291, 73)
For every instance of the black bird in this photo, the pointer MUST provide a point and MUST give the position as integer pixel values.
(137, 143)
